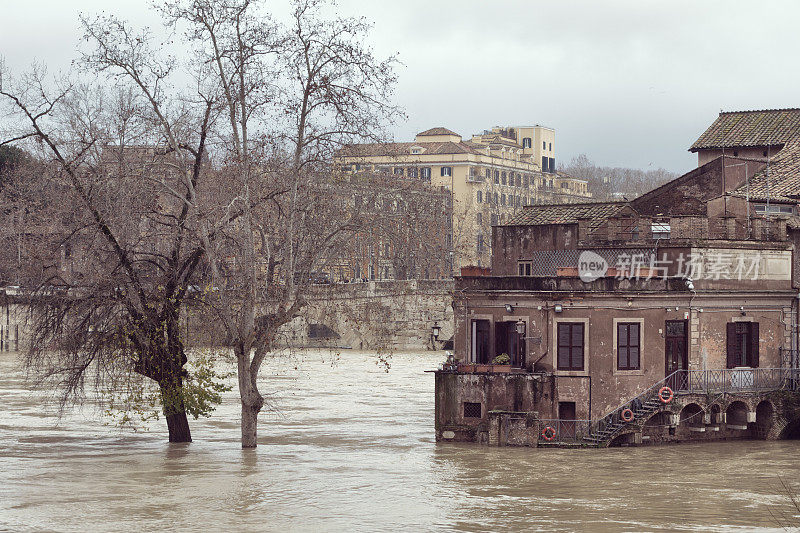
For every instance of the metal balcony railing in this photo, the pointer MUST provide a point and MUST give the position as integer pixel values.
(646, 403)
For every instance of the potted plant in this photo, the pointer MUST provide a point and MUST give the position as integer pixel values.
(501, 363)
(466, 367)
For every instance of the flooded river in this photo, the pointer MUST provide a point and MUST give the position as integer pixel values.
(352, 448)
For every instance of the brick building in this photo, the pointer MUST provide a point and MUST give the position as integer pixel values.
(692, 286)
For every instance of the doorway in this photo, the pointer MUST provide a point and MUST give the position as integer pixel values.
(507, 340)
(566, 419)
(676, 354)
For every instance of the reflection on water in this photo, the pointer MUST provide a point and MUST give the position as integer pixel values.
(352, 448)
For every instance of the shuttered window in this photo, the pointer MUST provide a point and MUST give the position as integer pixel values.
(570, 346)
(742, 344)
(628, 346)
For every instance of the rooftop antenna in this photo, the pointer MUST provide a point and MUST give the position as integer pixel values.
(769, 142)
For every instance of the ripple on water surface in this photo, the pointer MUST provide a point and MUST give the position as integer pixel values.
(351, 447)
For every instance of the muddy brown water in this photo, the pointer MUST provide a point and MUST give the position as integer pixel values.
(353, 449)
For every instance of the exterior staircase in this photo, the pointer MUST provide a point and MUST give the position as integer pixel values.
(601, 432)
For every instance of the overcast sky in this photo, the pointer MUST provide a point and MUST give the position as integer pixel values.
(629, 83)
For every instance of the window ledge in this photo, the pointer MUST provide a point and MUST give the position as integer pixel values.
(617, 372)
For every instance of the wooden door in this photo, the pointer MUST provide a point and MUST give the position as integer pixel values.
(676, 353)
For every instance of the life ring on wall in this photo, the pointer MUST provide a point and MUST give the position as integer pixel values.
(626, 415)
(548, 433)
(669, 395)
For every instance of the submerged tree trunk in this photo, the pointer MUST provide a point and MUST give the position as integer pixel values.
(251, 399)
(249, 425)
(175, 412)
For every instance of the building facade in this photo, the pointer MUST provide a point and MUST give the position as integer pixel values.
(599, 307)
(491, 177)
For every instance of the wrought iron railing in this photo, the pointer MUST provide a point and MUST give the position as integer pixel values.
(564, 431)
(717, 381)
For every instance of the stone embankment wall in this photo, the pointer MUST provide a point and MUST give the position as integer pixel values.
(376, 315)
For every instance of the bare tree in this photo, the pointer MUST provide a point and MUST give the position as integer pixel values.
(327, 89)
(118, 257)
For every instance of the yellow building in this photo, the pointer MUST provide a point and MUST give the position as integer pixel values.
(491, 176)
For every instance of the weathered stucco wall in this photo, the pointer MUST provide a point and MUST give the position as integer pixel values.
(601, 387)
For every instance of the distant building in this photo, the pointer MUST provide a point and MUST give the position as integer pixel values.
(491, 177)
(748, 134)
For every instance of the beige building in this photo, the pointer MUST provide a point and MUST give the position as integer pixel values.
(491, 176)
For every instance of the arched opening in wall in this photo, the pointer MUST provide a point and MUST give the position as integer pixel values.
(656, 428)
(736, 416)
(792, 430)
(691, 417)
(715, 415)
(626, 439)
(765, 416)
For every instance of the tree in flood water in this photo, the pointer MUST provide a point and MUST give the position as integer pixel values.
(115, 252)
(270, 104)
(291, 96)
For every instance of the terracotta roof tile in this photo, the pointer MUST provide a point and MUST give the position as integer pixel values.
(437, 131)
(397, 149)
(783, 181)
(767, 127)
(544, 215)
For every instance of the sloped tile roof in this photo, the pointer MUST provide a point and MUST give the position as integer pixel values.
(397, 149)
(544, 215)
(750, 128)
(783, 181)
(437, 131)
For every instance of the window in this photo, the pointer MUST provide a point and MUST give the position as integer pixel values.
(526, 142)
(494, 220)
(519, 180)
(544, 145)
(570, 346)
(488, 174)
(497, 176)
(660, 230)
(480, 218)
(480, 196)
(472, 410)
(550, 148)
(426, 173)
(481, 245)
(480, 341)
(628, 346)
(524, 268)
(525, 181)
(503, 199)
(412, 172)
(398, 171)
(503, 178)
(495, 199)
(447, 171)
(742, 344)
(772, 208)
(552, 165)
(544, 163)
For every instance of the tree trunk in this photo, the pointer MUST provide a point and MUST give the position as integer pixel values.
(178, 426)
(249, 425)
(175, 411)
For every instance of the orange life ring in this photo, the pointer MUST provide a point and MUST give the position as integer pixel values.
(626, 415)
(669, 392)
(548, 433)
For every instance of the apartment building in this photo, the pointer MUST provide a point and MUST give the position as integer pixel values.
(491, 177)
